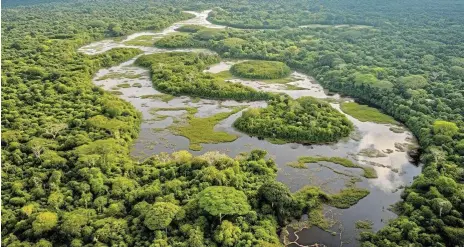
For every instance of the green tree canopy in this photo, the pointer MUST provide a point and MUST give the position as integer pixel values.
(441, 127)
(160, 215)
(223, 200)
(44, 222)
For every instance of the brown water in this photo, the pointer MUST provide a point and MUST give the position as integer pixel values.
(394, 169)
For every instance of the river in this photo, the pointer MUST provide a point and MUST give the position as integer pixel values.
(394, 168)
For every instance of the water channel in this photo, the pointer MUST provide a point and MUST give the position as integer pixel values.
(392, 165)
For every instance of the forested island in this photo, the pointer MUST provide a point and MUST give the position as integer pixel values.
(181, 74)
(68, 178)
(305, 120)
(260, 70)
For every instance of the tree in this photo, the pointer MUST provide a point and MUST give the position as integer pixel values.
(56, 199)
(54, 129)
(441, 127)
(74, 221)
(44, 222)
(413, 81)
(43, 243)
(196, 238)
(38, 146)
(275, 193)
(122, 186)
(442, 206)
(11, 136)
(227, 234)
(222, 200)
(160, 215)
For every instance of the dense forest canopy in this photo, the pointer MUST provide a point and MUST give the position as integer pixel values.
(305, 120)
(170, 71)
(67, 177)
(260, 69)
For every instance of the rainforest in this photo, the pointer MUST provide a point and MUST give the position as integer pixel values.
(232, 123)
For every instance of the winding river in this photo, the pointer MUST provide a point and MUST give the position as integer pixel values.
(393, 166)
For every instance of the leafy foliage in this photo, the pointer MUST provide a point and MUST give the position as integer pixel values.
(180, 73)
(260, 69)
(223, 200)
(408, 73)
(305, 120)
(201, 130)
(57, 182)
(365, 113)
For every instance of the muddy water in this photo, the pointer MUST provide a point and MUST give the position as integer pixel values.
(393, 168)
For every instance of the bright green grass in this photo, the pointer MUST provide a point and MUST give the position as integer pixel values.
(225, 75)
(365, 113)
(276, 141)
(369, 172)
(115, 92)
(364, 224)
(144, 40)
(296, 164)
(278, 80)
(190, 110)
(347, 197)
(201, 130)
(163, 97)
(117, 75)
(293, 87)
(124, 85)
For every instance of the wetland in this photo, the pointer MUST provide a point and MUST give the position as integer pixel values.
(164, 129)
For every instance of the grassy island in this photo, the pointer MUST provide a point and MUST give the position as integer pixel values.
(260, 70)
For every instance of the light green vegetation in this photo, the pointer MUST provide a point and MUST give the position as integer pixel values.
(144, 40)
(350, 181)
(347, 197)
(296, 164)
(313, 198)
(118, 75)
(365, 113)
(137, 84)
(163, 97)
(181, 73)
(123, 85)
(190, 110)
(283, 80)
(334, 26)
(276, 141)
(293, 87)
(397, 129)
(190, 28)
(82, 185)
(364, 224)
(371, 153)
(175, 40)
(157, 117)
(371, 79)
(201, 130)
(195, 100)
(304, 120)
(226, 75)
(116, 92)
(261, 70)
(369, 172)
